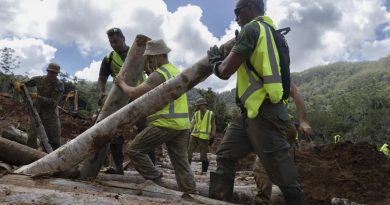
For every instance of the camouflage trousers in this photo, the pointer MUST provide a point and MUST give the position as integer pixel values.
(52, 125)
(176, 142)
(196, 142)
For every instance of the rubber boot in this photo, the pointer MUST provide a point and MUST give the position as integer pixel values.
(293, 195)
(205, 166)
(117, 155)
(221, 187)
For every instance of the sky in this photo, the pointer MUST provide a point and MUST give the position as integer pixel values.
(72, 32)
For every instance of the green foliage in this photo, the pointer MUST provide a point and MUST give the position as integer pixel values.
(350, 99)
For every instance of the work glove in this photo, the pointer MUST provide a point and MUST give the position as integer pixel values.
(17, 86)
(215, 59)
(211, 140)
(34, 95)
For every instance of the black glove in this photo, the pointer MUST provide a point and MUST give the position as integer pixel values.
(211, 140)
(215, 59)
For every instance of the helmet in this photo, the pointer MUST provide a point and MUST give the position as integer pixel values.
(53, 67)
(200, 101)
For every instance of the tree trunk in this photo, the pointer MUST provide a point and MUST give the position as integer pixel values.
(132, 68)
(100, 134)
(241, 194)
(18, 189)
(15, 135)
(18, 154)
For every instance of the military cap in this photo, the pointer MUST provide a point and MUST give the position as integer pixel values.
(54, 67)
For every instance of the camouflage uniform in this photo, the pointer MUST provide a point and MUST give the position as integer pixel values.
(50, 93)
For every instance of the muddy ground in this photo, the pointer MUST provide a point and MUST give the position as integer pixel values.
(355, 171)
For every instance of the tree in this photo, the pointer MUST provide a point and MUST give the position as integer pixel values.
(8, 61)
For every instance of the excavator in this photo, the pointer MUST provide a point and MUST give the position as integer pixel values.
(72, 94)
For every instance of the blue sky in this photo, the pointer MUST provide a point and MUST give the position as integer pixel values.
(72, 32)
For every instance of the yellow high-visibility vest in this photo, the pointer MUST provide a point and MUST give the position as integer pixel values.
(385, 149)
(337, 138)
(265, 59)
(175, 114)
(117, 63)
(202, 127)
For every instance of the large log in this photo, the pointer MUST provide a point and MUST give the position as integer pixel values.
(18, 189)
(241, 194)
(18, 154)
(100, 134)
(132, 69)
(15, 134)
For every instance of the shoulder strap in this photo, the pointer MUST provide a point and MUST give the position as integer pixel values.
(110, 58)
(282, 31)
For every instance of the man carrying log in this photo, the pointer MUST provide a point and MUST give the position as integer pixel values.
(49, 93)
(111, 65)
(170, 125)
(265, 118)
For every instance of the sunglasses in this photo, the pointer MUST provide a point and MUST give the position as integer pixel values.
(237, 10)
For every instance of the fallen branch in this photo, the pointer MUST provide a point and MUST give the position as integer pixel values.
(18, 154)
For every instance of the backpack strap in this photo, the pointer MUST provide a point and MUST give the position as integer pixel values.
(110, 58)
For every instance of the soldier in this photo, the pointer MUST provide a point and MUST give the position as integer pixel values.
(203, 131)
(170, 125)
(49, 93)
(262, 128)
(111, 65)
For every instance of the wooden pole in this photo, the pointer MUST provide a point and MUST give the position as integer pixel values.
(18, 154)
(100, 134)
(38, 122)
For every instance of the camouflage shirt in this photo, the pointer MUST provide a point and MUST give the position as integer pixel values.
(49, 92)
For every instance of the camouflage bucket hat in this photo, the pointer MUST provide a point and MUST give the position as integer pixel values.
(156, 47)
(200, 101)
(54, 67)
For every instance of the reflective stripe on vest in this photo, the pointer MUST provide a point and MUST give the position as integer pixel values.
(202, 128)
(175, 114)
(251, 89)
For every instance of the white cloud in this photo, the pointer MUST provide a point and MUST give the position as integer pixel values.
(326, 31)
(34, 54)
(90, 73)
(323, 31)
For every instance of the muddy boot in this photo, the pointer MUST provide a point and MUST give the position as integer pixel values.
(205, 166)
(293, 195)
(116, 148)
(221, 187)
